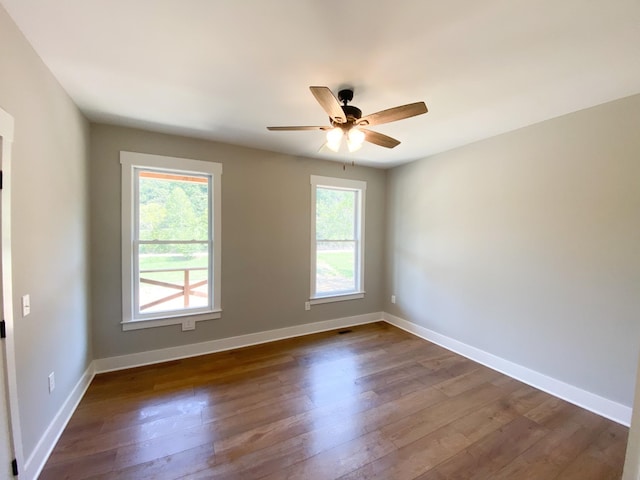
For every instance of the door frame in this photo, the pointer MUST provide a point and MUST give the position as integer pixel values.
(6, 134)
(632, 458)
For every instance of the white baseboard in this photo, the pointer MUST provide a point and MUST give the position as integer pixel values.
(108, 364)
(602, 406)
(35, 462)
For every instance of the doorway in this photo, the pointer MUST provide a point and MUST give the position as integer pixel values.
(10, 438)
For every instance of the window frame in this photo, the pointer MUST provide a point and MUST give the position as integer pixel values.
(130, 161)
(360, 187)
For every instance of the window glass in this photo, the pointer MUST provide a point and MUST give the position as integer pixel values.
(173, 241)
(335, 240)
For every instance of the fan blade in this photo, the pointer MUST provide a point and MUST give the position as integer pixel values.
(393, 114)
(282, 129)
(329, 103)
(380, 139)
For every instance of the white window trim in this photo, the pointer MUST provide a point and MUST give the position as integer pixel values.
(129, 161)
(346, 184)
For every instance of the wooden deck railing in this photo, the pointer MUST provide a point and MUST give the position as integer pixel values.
(186, 290)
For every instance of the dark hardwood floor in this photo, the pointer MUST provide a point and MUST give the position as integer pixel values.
(374, 402)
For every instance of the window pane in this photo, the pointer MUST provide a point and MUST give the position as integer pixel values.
(173, 207)
(167, 272)
(335, 214)
(335, 267)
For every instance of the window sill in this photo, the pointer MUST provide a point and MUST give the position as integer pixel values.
(162, 322)
(336, 298)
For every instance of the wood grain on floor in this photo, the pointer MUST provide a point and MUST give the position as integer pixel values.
(375, 402)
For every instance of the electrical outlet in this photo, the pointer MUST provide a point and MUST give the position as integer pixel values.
(52, 381)
(26, 305)
(307, 305)
(393, 299)
(188, 324)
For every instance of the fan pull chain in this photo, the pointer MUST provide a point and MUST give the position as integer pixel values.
(344, 164)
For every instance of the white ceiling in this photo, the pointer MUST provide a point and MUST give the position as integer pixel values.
(225, 69)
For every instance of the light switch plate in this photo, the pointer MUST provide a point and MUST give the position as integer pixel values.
(26, 305)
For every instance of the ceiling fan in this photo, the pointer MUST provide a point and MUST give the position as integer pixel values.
(347, 120)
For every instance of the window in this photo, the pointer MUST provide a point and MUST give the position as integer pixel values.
(170, 240)
(337, 239)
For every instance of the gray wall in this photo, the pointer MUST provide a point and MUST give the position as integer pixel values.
(49, 223)
(265, 240)
(527, 246)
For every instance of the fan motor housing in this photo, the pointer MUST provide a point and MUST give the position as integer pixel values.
(351, 113)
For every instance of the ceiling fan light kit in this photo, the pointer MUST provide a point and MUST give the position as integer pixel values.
(347, 120)
(355, 139)
(334, 138)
